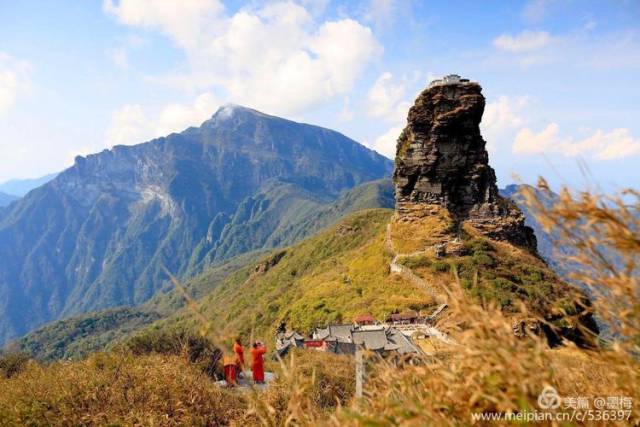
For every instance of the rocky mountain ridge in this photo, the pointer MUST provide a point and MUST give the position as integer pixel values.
(101, 232)
(20, 187)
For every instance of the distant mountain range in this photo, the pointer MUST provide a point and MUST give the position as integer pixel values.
(5, 199)
(99, 234)
(20, 187)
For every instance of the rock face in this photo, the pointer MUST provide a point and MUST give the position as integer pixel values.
(441, 161)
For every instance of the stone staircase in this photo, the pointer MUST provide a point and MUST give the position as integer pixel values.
(396, 268)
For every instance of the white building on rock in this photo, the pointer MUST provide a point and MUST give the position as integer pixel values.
(448, 80)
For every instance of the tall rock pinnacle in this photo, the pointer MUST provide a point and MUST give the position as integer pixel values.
(441, 161)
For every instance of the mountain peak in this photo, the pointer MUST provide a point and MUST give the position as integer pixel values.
(442, 161)
(231, 110)
(179, 202)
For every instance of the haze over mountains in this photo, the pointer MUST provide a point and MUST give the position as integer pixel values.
(14, 189)
(100, 233)
(6, 199)
(20, 187)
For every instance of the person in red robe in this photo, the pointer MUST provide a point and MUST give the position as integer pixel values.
(239, 351)
(230, 374)
(258, 352)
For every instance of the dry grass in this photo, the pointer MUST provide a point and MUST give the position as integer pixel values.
(603, 233)
(310, 387)
(116, 389)
(424, 231)
(489, 371)
(493, 371)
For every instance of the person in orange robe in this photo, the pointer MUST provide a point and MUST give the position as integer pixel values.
(230, 374)
(239, 351)
(257, 352)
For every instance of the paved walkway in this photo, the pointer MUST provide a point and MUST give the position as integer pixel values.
(397, 268)
(245, 383)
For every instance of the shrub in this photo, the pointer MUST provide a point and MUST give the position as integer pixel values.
(440, 266)
(12, 363)
(477, 245)
(483, 259)
(196, 348)
(413, 262)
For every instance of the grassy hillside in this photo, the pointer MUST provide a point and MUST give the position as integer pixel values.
(491, 272)
(71, 338)
(79, 336)
(331, 277)
(345, 271)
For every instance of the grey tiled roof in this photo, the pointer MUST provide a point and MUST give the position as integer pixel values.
(294, 335)
(403, 344)
(382, 339)
(341, 331)
(371, 340)
(320, 333)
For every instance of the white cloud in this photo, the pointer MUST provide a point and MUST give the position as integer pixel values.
(133, 124)
(529, 48)
(120, 55)
(276, 57)
(346, 113)
(129, 125)
(526, 41)
(315, 7)
(601, 145)
(185, 21)
(618, 50)
(575, 50)
(386, 97)
(177, 117)
(387, 100)
(528, 142)
(386, 143)
(13, 80)
(501, 119)
(383, 13)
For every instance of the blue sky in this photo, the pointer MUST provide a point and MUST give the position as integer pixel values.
(560, 76)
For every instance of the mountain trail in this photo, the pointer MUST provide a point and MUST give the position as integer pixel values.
(397, 268)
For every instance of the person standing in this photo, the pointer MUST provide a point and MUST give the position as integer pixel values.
(257, 352)
(239, 351)
(230, 374)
